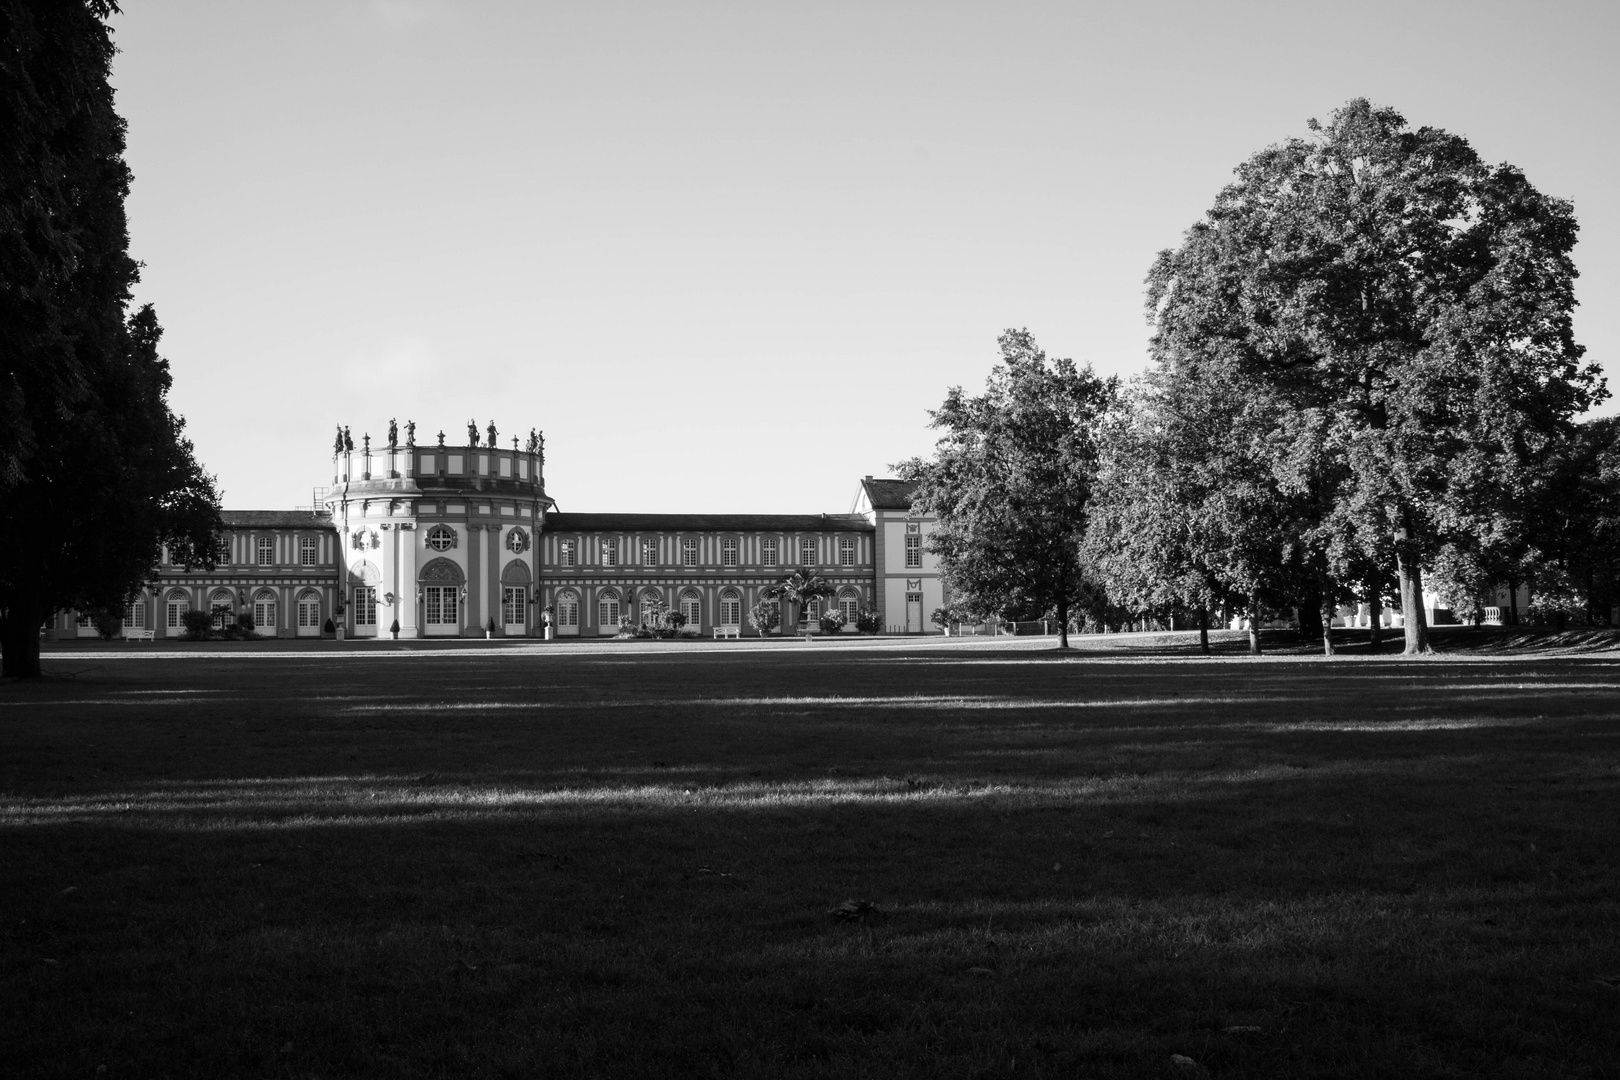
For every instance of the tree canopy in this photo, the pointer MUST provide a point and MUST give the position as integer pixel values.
(1010, 481)
(95, 472)
(1404, 312)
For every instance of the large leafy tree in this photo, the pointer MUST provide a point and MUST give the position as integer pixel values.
(95, 473)
(1414, 299)
(1010, 483)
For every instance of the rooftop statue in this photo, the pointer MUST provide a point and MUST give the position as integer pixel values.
(410, 433)
(472, 433)
(348, 443)
(393, 433)
(492, 434)
(337, 446)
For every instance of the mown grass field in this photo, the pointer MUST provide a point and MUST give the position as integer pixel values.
(620, 861)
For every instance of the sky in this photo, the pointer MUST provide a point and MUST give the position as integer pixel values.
(728, 255)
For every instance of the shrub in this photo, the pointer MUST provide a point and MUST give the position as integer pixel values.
(490, 626)
(868, 621)
(107, 624)
(244, 623)
(329, 628)
(833, 621)
(393, 628)
(765, 617)
(199, 625)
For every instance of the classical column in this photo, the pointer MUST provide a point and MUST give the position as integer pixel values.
(493, 578)
(407, 604)
(475, 612)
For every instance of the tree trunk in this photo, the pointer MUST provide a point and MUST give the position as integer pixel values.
(19, 646)
(1412, 618)
(1327, 610)
(1254, 627)
(1063, 624)
(1310, 618)
(1513, 602)
(1203, 630)
(1375, 616)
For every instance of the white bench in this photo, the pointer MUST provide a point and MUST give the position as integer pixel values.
(139, 635)
(734, 632)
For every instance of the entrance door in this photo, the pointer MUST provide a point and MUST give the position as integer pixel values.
(514, 609)
(913, 612)
(309, 615)
(568, 615)
(440, 614)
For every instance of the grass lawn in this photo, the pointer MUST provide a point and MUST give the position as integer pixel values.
(622, 860)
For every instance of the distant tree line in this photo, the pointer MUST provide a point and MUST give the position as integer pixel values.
(1362, 378)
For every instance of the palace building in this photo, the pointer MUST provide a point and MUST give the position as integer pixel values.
(443, 540)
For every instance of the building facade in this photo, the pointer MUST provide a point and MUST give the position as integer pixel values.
(439, 540)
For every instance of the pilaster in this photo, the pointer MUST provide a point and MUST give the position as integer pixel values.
(409, 604)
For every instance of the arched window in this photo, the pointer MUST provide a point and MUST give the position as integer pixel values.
(223, 607)
(135, 613)
(176, 607)
(730, 607)
(568, 609)
(264, 612)
(692, 608)
(849, 605)
(309, 613)
(608, 609)
(441, 538)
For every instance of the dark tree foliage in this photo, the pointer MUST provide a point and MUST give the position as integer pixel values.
(1411, 306)
(1010, 483)
(95, 474)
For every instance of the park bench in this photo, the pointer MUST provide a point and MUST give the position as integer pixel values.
(733, 631)
(139, 635)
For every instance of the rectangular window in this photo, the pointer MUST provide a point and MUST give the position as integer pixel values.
(689, 551)
(309, 612)
(514, 601)
(607, 611)
(135, 616)
(568, 611)
(506, 466)
(610, 553)
(849, 609)
(913, 551)
(807, 552)
(649, 553)
(728, 553)
(692, 608)
(365, 606)
(266, 546)
(264, 616)
(222, 551)
(767, 551)
(177, 613)
(730, 612)
(427, 463)
(439, 605)
(568, 552)
(846, 551)
(306, 551)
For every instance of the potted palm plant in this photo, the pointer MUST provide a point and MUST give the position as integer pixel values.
(797, 590)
